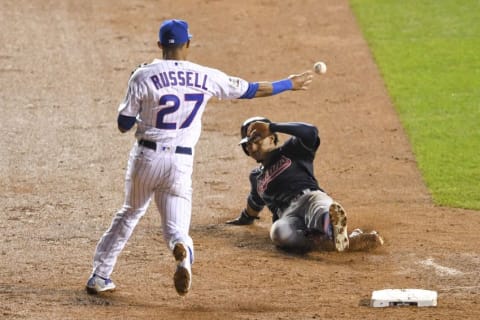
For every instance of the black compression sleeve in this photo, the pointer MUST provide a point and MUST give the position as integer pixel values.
(304, 131)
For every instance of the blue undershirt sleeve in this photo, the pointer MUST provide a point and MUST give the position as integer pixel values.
(126, 122)
(251, 91)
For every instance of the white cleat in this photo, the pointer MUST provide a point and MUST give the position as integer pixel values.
(355, 233)
(338, 220)
(361, 241)
(98, 284)
(183, 274)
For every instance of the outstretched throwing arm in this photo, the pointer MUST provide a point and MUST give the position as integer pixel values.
(294, 82)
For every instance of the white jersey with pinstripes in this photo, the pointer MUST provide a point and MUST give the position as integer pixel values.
(168, 97)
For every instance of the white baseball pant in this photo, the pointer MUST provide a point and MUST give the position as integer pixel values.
(168, 177)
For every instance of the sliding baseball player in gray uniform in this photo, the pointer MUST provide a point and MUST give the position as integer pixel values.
(166, 99)
(305, 217)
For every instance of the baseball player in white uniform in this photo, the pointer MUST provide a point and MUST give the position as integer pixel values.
(166, 99)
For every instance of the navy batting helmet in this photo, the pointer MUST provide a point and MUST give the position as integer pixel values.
(244, 128)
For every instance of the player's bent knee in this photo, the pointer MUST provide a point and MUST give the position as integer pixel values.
(283, 234)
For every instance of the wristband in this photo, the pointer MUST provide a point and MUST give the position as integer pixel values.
(281, 85)
(247, 216)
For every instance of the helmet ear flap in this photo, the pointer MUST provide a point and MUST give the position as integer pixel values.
(244, 147)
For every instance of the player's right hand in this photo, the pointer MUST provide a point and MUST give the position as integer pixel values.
(301, 81)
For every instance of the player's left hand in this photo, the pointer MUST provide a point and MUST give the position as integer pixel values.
(258, 130)
(243, 219)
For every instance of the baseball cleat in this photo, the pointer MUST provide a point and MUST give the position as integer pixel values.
(98, 284)
(361, 241)
(355, 232)
(183, 274)
(338, 220)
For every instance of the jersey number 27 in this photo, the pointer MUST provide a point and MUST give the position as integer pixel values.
(174, 104)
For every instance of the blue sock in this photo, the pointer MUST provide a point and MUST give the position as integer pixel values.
(327, 226)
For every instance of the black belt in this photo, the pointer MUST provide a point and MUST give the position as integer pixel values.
(153, 145)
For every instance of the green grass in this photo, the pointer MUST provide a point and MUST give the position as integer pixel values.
(428, 52)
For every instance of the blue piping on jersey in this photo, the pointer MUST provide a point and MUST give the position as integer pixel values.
(251, 91)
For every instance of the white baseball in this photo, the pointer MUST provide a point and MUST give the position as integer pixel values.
(320, 67)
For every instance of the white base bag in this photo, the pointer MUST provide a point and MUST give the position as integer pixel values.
(403, 297)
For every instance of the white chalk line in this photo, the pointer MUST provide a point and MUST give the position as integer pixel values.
(439, 269)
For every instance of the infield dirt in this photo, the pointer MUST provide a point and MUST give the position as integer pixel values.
(64, 67)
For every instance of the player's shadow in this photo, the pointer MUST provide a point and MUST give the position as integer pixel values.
(253, 237)
(364, 303)
(100, 299)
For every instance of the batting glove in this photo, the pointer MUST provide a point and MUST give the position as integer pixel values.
(243, 219)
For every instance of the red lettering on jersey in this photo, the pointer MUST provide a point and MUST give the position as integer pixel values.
(271, 173)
